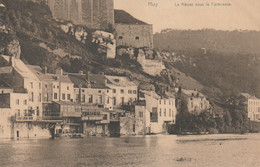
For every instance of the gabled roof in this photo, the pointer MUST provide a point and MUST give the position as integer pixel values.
(78, 80)
(37, 70)
(120, 81)
(123, 17)
(96, 81)
(21, 68)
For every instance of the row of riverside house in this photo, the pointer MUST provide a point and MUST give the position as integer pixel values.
(33, 101)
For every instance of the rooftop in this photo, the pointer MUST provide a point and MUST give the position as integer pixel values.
(119, 81)
(21, 68)
(191, 93)
(248, 96)
(37, 70)
(123, 17)
(96, 81)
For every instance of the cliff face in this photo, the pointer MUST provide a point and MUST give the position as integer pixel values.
(31, 32)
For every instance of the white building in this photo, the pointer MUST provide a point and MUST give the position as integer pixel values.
(159, 112)
(123, 91)
(253, 107)
(196, 101)
(92, 89)
(22, 79)
(55, 87)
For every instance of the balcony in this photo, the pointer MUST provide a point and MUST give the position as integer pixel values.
(25, 118)
(71, 114)
(92, 118)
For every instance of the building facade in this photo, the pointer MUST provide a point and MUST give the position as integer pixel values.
(253, 109)
(122, 90)
(196, 101)
(160, 111)
(96, 14)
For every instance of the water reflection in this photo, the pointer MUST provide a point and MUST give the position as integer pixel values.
(160, 150)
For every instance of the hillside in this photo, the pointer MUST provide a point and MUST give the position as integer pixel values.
(243, 42)
(229, 61)
(43, 42)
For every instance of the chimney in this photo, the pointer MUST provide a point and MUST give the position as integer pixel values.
(45, 70)
(59, 71)
(88, 76)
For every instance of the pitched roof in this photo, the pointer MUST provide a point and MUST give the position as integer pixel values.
(120, 81)
(123, 17)
(95, 81)
(37, 70)
(21, 68)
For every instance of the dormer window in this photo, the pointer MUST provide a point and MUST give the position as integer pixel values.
(137, 38)
(116, 80)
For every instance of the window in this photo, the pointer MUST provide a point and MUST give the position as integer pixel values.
(120, 37)
(164, 102)
(25, 102)
(90, 100)
(165, 112)
(99, 91)
(122, 91)
(133, 127)
(169, 102)
(55, 96)
(160, 102)
(170, 112)
(68, 96)
(137, 38)
(83, 99)
(40, 85)
(57, 87)
(40, 97)
(141, 114)
(107, 91)
(114, 100)
(18, 113)
(63, 96)
(31, 84)
(68, 88)
(122, 100)
(191, 104)
(46, 85)
(108, 100)
(100, 99)
(37, 111)
(160, 112)
(114, 91)
(17, 101)
(47, 97)
(134, 91)
(130, 91)
(32, 95)
(130, 99)
(53, 86)
(25, 113)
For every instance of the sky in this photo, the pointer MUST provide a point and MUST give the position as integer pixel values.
(240, 14)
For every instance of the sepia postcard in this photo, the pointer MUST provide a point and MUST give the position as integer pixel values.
(129, 83)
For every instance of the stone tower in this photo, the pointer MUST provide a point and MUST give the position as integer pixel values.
(96, 14)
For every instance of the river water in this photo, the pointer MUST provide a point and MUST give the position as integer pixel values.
(160, 150)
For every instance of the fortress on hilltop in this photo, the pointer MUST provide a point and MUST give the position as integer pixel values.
(96, 14)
